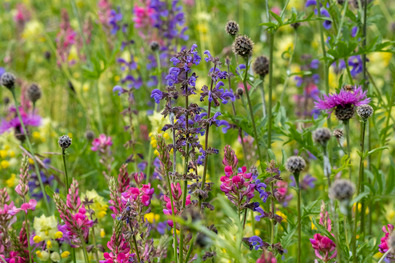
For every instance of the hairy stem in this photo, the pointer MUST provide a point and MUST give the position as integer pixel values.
(269, 110)
(37, 170)
(347, 126)
(299, 219)
(252, 115)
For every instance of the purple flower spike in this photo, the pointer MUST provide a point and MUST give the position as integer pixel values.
(157, 95)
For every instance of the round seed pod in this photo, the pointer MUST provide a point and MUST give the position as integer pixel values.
(243, 46)
(34, 93)
(240, 91)
(64, 141)
(296, 25)
(295, 164)
(89, 135)
(364, 111)
(344, 113)
(338, 133)
(322, 135)
(8, 80)
(342, 190)
(154, 46)
(261, 66)
(232, 28)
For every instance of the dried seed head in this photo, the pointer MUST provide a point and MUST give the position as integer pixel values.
(342, 190)
(6, 100)
(34, 93)
(338, 133)
(64, 141)
(322, 135)
(295, 164)
(365, 111)
(243, 46)
(348, 87)
(232, 28)
(340, 2)
(261, 66)
(8, 80)
(89, 135)
(296, 25)
(345, 113)
(240, 91)
(154, 46)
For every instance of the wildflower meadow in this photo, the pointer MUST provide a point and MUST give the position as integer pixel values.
(197, 131)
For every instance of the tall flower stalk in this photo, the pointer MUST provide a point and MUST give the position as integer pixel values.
(295, 165)
(8, 80)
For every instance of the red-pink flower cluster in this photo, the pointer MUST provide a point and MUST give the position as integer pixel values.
(282, 194)
(237, 186)
(383, 247)
(74, 215)
(65, 39)
(324, 247)
(120, 250)
(101, 143)
(143, 16)
(177, 202)
(267, 257)
(142, 195)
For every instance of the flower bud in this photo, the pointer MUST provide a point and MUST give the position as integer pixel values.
(364, 111)
(261, 66)
(34, 93)
(342, 190)
(8, 80)
(338, 133)
(322, 135)
(295, 164)
(232, 28)
(64, 141)
(154, 46)
(243, 46)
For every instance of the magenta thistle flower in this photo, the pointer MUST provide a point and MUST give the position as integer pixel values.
(14, 122)
(344, 100)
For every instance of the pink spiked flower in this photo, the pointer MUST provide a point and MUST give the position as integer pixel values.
(73, 199)
(31, 205)
(230, 158)
(120, 250)
(142, 195)
(177, 202)
(237, 186)
(22, 188)
(101, 143)
(384, 246)
(325, 248)
(65, 39)
(267, 257)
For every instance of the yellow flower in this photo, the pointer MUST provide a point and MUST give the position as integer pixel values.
(38, 253)
(58, 235)
(45, 226)
(157, 153)
(32, 30)
(55, 257)
(36, 136)
(257, 232)
(37, 239)
(43, 255)
(31, 161)
(12, 181)
(102, 233)
(3, 153)
(49, 244)
(98, 206)
(282, 215)
(166, 136)
(4, 164)
(150, 217)
(65, 254)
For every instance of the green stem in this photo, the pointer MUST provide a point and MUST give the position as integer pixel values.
(252, 115)
(269, 110)
(37, 170)
(190, 249)
(273, 213)
(299, 219)
(136, 248)
(235, 114)
(354, 233)
(361, 179)
(149, 164)
(347, 126)
(74, 255)
(172, 211)
(99, 107)
(84, 249)
(336, 229)
(65, 170)
(348, 71)
(342, 21)
(289, 68)
(205, 142)
(263, 98)
(385, 255)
